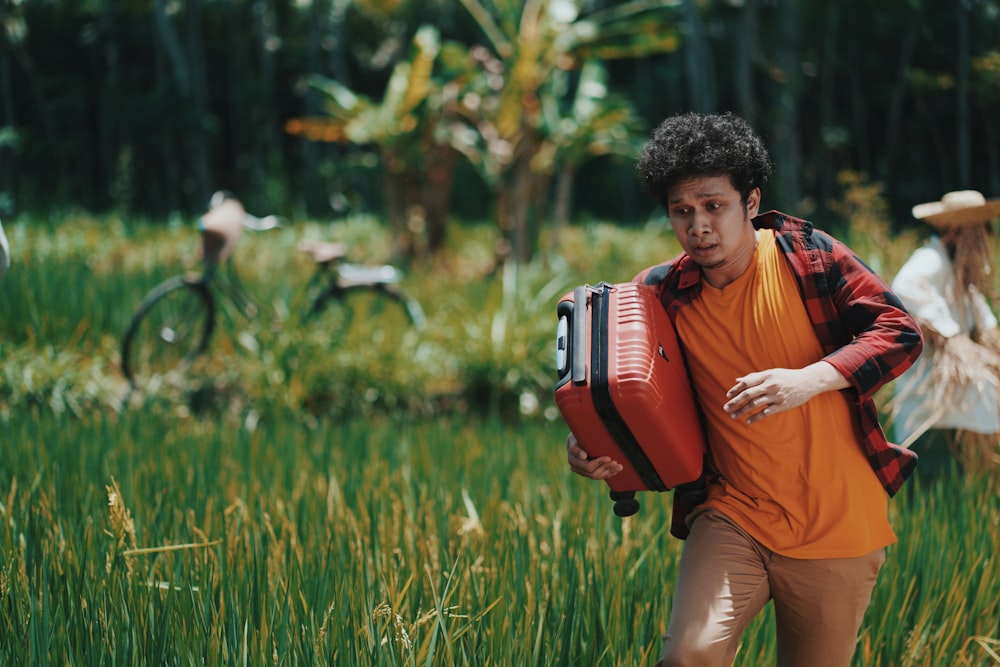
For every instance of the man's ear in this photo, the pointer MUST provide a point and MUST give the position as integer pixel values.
(753, 202)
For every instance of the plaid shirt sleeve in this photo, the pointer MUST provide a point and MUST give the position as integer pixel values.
(865, 331)
(867, 334)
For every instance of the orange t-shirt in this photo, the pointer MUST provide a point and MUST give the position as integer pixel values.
(797, 481)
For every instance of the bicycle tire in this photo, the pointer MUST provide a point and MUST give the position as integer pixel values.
(171, 326)
(374, 314)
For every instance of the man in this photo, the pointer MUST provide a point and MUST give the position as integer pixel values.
(951, 398)
(787, 335)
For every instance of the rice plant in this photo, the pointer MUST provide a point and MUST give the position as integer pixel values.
(147, 538)
(303, 504)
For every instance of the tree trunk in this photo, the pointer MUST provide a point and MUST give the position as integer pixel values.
(992, 150)
(788, 154)
(962, 93)
(172, 48)
(698, 61)
(312, 199)
(267, 35)
(198, 143)
(894, 117)
(235, 137)
(563, 199)
(439, 172)
(522, 193)
(940, 149)
(828, 105)
(186, 64)
(746, 62)
(8, 157)
(394, 190)
(107, 109)
(521, 207)
(56, 183)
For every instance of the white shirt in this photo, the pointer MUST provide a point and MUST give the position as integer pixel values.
(926, 286)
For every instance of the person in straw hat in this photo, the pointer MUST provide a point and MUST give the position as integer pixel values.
(949, 402)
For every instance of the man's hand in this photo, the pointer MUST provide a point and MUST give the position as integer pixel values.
(765, 393)
(600, 468)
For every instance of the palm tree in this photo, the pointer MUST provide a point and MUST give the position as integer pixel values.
(417, 162)
(596, 123)
(536, 43)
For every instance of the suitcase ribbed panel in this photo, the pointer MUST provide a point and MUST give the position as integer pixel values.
(646, 418)
(607, 355)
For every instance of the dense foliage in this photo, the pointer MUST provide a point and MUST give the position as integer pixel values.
(145, 106)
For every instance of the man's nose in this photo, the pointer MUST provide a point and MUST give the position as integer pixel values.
(700, 224)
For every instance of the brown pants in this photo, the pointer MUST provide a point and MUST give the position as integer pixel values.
(726, 578)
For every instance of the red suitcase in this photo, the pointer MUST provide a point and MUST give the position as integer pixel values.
(624, 389)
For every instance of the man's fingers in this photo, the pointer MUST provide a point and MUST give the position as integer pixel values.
(744, 383)
(604, 468)
(601, 467)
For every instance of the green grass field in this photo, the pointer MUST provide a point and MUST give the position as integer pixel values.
(296, 504)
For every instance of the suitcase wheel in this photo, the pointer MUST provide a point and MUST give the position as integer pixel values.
(625, 503)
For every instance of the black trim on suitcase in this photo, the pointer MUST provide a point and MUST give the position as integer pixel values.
(601, 393)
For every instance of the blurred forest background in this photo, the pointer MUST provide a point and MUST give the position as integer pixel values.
(522, 112)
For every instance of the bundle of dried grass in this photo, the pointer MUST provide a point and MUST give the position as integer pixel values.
(961, 364)
(978, 451)
(990, 339)
(972, 248)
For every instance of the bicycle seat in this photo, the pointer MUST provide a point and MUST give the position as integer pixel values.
(322, 252)
(359, 274)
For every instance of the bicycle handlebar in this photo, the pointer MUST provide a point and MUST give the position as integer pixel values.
(223, 223)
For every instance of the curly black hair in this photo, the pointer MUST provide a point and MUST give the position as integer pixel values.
(691, 145)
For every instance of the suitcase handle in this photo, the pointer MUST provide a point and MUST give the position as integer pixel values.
(578, 346)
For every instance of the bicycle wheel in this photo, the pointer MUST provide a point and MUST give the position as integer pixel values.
(374, 315)
(170, 327)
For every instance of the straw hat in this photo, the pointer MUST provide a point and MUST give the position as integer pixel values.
(962, 207)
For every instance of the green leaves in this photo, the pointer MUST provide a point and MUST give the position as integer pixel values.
(393, 122)
(533, 102)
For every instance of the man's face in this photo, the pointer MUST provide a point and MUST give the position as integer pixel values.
(713, 225)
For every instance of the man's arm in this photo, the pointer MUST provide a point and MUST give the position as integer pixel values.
(765, 393)
(881, 341)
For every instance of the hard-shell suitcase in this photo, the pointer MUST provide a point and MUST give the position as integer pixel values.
(624, 390)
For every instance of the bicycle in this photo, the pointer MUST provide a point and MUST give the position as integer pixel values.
(173, 324)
